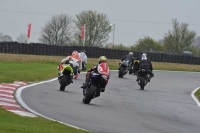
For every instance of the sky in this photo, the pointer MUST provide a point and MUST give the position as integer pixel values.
(133, 19)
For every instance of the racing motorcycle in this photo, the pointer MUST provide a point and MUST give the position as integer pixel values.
(96, 85)
(124, 68)
(64, 76)
(143, 79)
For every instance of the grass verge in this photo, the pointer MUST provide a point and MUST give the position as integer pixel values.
(12, 123)
(197, 94)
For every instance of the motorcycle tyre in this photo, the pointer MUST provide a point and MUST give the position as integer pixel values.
(121, 71)
(90, 94)
(142, 83)
(62, 87)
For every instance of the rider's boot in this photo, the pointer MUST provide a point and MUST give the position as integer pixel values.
(60, 74)
(137, 77)
(152, 75)
(76, 76)
(85, 85)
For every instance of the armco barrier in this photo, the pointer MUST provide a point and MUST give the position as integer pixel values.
(92, 52)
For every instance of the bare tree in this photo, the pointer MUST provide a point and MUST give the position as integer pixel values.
(179, 39)
(5, 38)
(57, 31)
(97, 28)
(22, 38)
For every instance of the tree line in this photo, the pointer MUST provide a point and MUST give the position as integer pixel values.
(63, 29)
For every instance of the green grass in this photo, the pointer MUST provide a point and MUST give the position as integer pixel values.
(12, 123)
(197, 94)
(12, 71)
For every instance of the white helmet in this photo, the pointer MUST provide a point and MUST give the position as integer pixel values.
(131, 53)
(144, 56)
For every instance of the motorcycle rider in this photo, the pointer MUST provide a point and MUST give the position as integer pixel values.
(83, 56)
(136, 63)
(102, 61)
(75, 62)
(145, 64)
(129, 58)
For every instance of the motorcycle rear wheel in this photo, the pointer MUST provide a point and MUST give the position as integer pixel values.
(63, 82)
(90, 94)
(142, 83)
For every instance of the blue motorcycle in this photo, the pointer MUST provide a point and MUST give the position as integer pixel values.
(96, 85)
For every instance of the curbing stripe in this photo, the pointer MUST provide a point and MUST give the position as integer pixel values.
(8, 100)
(4, 86)
(11, 96)
(13, 108)
(8, 104)
(11, 85)
(7, 91)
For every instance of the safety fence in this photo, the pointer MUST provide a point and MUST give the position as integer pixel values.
(92, 52)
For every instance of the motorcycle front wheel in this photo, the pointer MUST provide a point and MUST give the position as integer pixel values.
(62, 87)
(121, 71)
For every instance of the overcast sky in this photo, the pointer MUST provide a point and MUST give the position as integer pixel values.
(133, 19)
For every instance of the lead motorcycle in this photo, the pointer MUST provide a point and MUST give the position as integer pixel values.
(143, 79)
(124, 68)
(64, 76)
(96, 85)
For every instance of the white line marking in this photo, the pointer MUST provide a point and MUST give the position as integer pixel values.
(194, 97)
(21, 102)
(6, 91)
(23, 113)
(7, 95)
(7, 100)
(8, 104)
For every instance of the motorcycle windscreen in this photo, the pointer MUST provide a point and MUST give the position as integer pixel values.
(103, 69)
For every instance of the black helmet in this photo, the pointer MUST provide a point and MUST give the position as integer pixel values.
(83, 51)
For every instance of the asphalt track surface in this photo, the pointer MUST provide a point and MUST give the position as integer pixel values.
(165, 106)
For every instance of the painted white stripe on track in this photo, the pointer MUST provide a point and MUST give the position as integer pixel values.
(194, 97)
(7, 100)
(7, 95)
(23, 113)
(7, 91)
(20, 101)
(8, 104)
